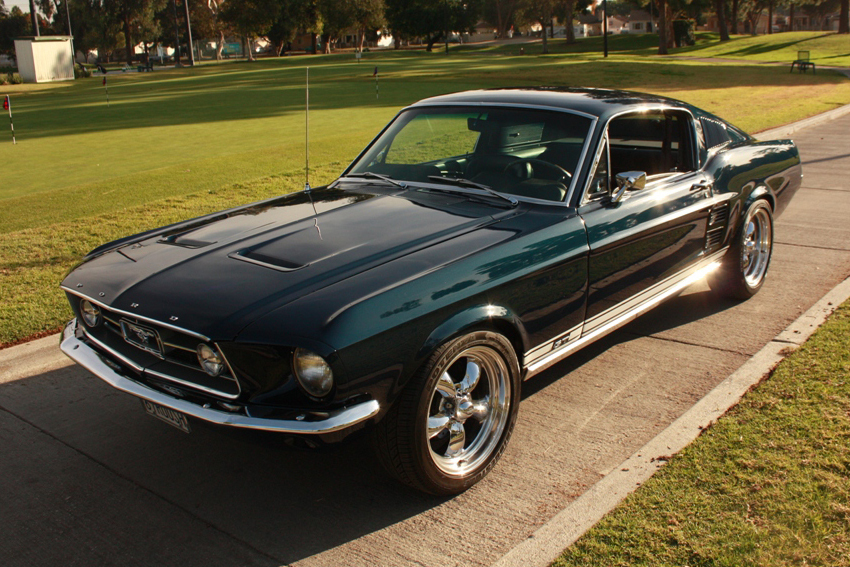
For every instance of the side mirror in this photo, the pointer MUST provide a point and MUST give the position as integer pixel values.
(628, 181)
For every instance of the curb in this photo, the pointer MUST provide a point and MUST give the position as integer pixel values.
(816, 120)
(551, 539)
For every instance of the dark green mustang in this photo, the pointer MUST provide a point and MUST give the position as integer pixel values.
(479, 239)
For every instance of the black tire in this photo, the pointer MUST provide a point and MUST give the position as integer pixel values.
(745, 265)
(441, 437)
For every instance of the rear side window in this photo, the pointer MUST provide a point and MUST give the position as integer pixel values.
(716, 133)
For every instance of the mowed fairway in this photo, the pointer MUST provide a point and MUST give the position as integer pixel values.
(176, 144)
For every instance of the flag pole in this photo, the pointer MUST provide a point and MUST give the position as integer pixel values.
(7, 103)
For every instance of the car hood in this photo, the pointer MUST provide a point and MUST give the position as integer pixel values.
(216, 274)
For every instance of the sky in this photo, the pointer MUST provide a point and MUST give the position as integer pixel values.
(22, 4)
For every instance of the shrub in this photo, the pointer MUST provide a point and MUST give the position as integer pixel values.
(81, 72)
(15, 78)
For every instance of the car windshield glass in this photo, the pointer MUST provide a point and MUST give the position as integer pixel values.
(525, 152)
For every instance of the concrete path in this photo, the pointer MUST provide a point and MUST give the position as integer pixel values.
(86, 478)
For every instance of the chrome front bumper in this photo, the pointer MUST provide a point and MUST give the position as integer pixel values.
(92, 361)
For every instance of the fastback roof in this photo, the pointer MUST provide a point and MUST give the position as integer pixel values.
(596, 102)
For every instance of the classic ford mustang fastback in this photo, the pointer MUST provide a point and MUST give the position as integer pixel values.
(478, 240)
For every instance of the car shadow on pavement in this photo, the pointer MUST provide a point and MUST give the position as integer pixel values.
(288, 503)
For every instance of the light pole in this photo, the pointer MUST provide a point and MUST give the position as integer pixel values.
(70, 35)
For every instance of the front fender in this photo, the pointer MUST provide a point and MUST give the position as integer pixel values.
(495, 317)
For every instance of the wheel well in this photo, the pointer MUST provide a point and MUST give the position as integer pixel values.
(509, 332)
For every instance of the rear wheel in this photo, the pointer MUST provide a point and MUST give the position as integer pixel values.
(455, 418)
(745, 265)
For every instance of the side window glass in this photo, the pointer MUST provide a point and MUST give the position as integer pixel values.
(655, 142)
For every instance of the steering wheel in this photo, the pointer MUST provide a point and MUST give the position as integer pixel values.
(524, 169)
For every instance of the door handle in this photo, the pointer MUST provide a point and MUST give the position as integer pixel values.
(702, 186)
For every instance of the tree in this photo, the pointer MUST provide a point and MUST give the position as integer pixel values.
(844, 17)
(501, 13)
(136, 18)
(720, 10)
(250, 18)
(735, 6)
(431, 19)
(13, 23)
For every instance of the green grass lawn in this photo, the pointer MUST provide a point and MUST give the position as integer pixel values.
(826, 48)
(175, 144)
(767, 485)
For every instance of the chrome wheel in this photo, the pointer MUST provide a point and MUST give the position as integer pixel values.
(469, 408)
(453, 421)
(756, 246)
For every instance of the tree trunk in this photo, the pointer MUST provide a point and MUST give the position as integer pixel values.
(220, 46)
(734, 17)
(326, 40)
(432, 41)
(127, 41)
(34, 19)
(568, 21)
(361, 36)
(770, 17)
(791, 17)
(719, 8)
(662, 27)
(543, 29)
(313, 43)
(844, 17)
(250, 43)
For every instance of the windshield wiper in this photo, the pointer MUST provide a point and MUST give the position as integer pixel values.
(381, 176)
(459, 181)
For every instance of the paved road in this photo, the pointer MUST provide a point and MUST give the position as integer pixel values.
(86, 478)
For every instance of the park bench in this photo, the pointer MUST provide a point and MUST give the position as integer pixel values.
(803, 63)
(146, 67)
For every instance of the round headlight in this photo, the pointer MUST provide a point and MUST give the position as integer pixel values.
(90, 313)
(210, 360)
(313, 372)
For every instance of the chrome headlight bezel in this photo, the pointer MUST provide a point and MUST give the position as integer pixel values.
(313, 373)
(210, 359)
(90, 313)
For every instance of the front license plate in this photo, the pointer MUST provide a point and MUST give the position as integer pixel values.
(167, 415)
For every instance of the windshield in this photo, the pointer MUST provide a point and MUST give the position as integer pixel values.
(529, 153)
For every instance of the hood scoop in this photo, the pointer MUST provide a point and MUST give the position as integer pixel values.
(293, 251)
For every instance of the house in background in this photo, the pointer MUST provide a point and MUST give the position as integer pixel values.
(640, 21)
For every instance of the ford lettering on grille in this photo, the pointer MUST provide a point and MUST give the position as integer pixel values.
(144, 338)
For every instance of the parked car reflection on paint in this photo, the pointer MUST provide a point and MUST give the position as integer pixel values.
(478, 240)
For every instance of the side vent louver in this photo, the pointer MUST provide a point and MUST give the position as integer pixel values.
(717, 221)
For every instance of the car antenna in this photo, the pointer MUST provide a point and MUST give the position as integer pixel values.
(307, 133)
(307, 153)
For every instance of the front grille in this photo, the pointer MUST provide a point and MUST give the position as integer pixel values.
(172, 358)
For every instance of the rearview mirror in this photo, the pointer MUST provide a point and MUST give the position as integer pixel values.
(628, 181)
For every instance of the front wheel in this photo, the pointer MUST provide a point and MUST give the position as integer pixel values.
(745, 265)
(454, 420)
